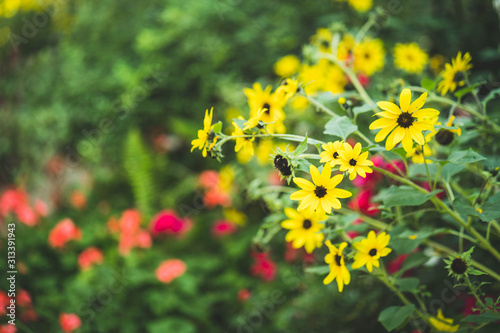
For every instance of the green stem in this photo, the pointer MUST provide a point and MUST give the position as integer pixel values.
(290, 137)
(474, 292)
(319, 105)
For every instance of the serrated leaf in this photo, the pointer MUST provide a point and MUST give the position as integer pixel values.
(395, 316)
(320, 270)
(428, 84)
(340, 127)
(404, 196)
(465, 156)
(408, 284)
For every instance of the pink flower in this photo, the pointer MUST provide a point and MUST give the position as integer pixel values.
(69, 322)
(216, 196)
(143, 239)
(4, 302)
(244, 295)
(167, 222)
(399, 164)
(274, 178)
(223, 228)
(64, 232)
(89, 257)
(41, 208)
(362, 203)
(26, 215)
(372, 179)
(130, 221)
(170, 269)
(263, 266)
(8, 328)
(364, 79)
(12, 199)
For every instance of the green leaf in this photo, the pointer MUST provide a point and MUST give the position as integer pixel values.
(395, 316)
(428, 84)
(218, 127)
(320, 270)
(449, 170)
(491, 209)
(404, 196)
(460, 93)
(465, 156)
(340, 127)
(491, 96)
(408, 284)
(171, 325)
(363, 108)
(301, 148)
(486, 317)
(402, 243)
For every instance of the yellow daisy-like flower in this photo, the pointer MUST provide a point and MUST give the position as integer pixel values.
(353, 161)
(404, 121)
(370, 250)
(322, 40)
(253, 121)
(205, 135)
(312, 76)
(443, 324)
(244, 145)
(361, 5)
(336, 261)
(321, 194)
(369, 56)
(346, 47)
(455, 75)
(287, 66)
(288, 88)
(304, 229)
(445, 136)
(417, 156)
(331, 152)
(271, 103)
(334, 79)
(410, 57)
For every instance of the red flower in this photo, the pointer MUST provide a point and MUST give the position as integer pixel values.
(4, 302)
(26, 215)
(244, 294)
(41, 208)
(274, 178)
(143, 239)
(216, 196)
(8, 328)
(130, 221)
(363, 79)
(29, 315)
(427, 186)
(362, 203)
(291, 254)
(223, 228)
(394, 266)
(89, 257)
(167, 222)
(263, 266)
(23, 298)
(209, 178)
(170, 270)
(69, 322)
(12, 199)
(64, 232)
(372, 179)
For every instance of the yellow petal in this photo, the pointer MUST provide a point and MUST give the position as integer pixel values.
(405, 100)
(389, 106)
(418, 103)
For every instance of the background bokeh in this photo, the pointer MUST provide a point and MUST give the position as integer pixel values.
(99, 101)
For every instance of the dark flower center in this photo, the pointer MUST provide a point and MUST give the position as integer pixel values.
(405, 120)
(373, 252)
(459, 77)
(352, 162)
(335, 155)
(306, 224)
(338, 259)
(367, 56)
(281, 164)
(325, 43)
(320, 191)
(444, 137)
(458, 266)
(267, 107)
(211, 135)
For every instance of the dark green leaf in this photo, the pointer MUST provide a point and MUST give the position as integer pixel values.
(486, 317)
(491, 209)
(301, 148)
(413, 260)
(340, 127)
(467, 90)
(404, 196)
(395, 316)
(408, 284)
(449, 170)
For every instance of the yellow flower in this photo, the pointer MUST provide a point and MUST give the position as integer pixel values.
(444, 136)
(205, 135)
(288, 88)
(226, 178)
(334, 78)
(322, 40)
(361, 5)
(287, 66)
(443, 324)
(336, 261)
(244, 145)
(331, 152)
(353, 161)
(407, 128)
(369, 56)
(417, 156)
(455, 75)
(321, 194)
(264, 151)
(410, 57)
(272, 104)
(370, 250)
(436, 63)
(346, 47)
(300, 103)
(304, 229)
(312, 76)
(253, 121)
(235, 216)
